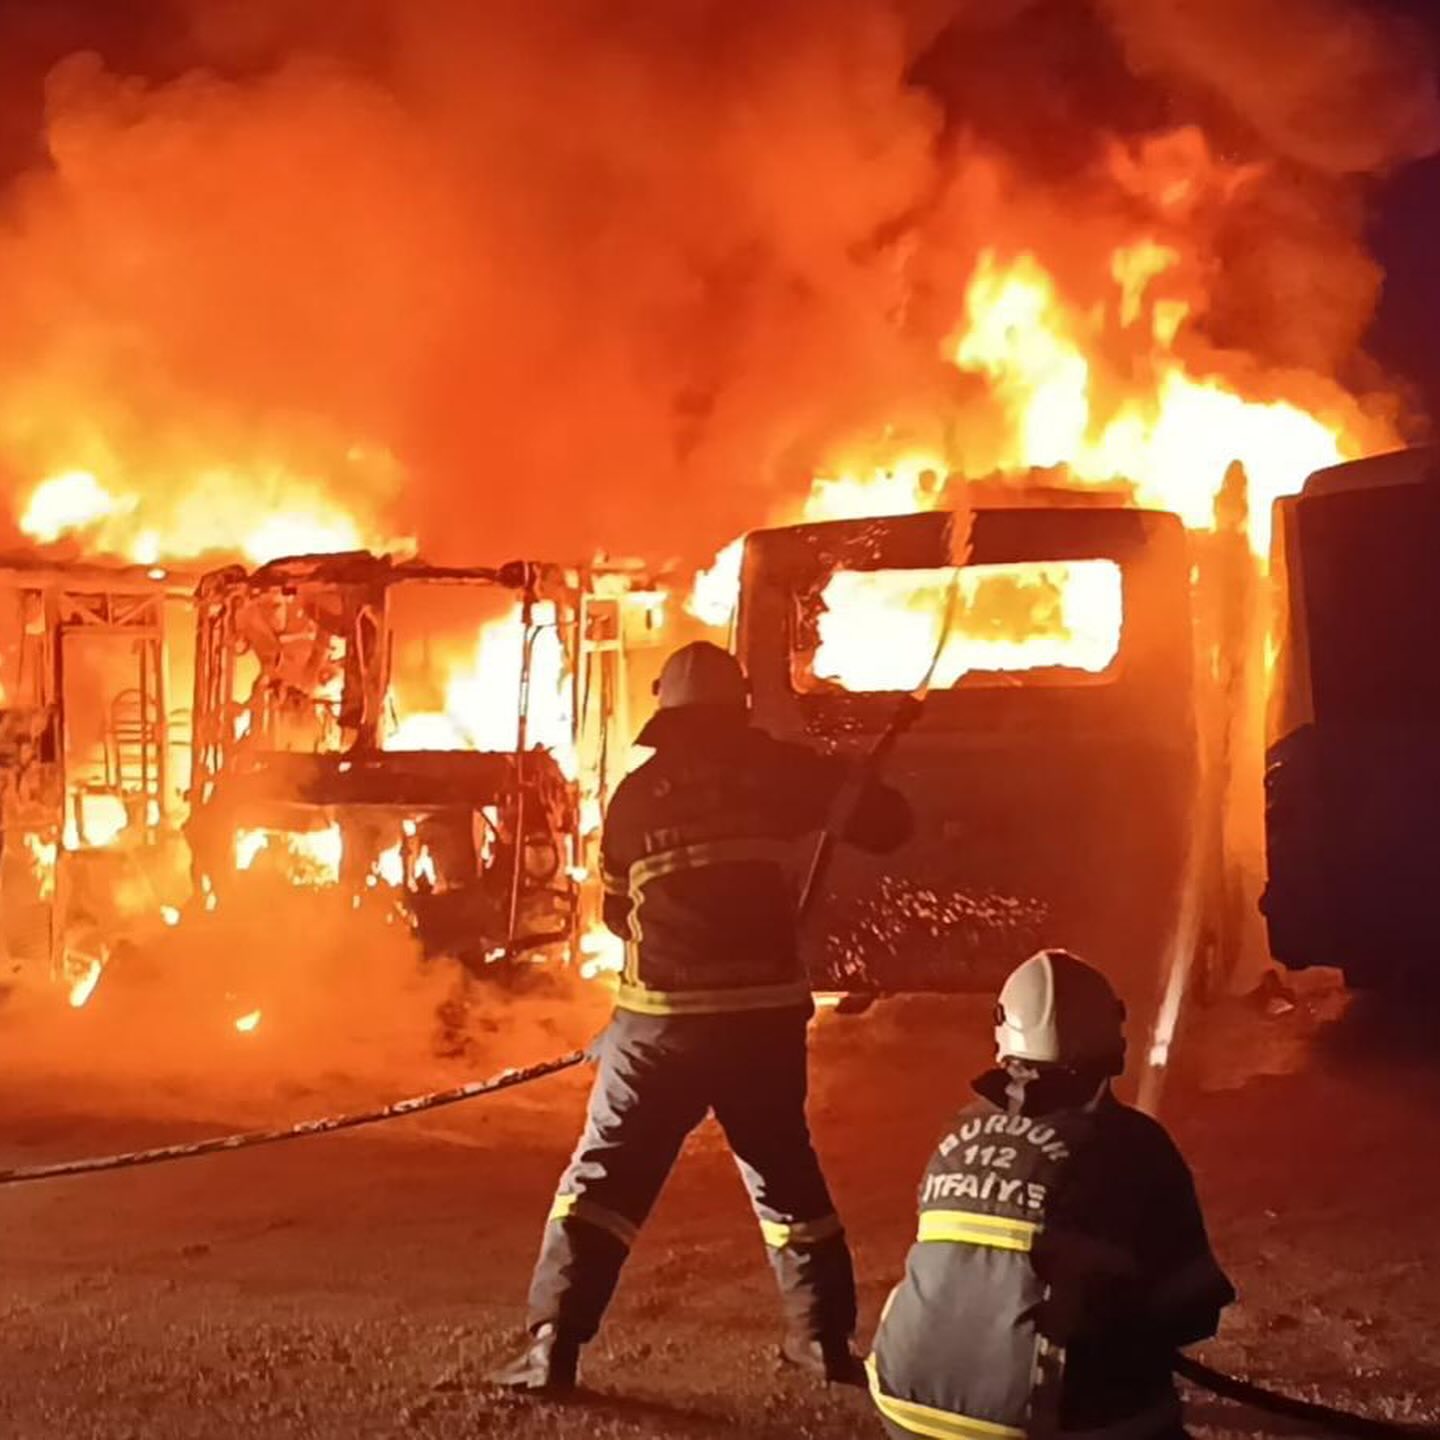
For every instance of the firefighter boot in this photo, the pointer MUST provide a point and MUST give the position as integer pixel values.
(829, 1360)
(547, 1366)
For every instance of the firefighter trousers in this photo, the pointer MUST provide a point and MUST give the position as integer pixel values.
(659, 1076)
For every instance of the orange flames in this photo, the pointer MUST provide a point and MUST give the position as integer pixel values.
(745, 328)
(82, 986)
(1171, 433)
(1160, 429)
(310, 857)
(881, 629)
(256, 516)
(480, 683)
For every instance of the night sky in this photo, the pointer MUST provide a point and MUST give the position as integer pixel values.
(1406, 333)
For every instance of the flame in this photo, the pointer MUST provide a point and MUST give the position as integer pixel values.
(106, 818)
(258, 514)
(716, 590)
(1172, 434)
(308, 857)
(1133, 269)
(880, 629)
(248, 844)
(602, 953)
(43, 855)
(1037, 373)
(482, 694)
(1162, 428)
(84, 987)
(390, 866)
(245, 1024)
(911, 481)
(73, 500)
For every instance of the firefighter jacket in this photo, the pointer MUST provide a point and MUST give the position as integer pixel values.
(698, 861)
(1060, 1261)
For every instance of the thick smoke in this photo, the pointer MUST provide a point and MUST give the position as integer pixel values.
(1332, 85)
(552, 277)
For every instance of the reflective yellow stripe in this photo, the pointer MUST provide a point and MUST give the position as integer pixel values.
(965, 1227)
(614, 884)
(577, 1207)
(709, 852)
(642, 1000)
(779, 1234)
(928, 1421)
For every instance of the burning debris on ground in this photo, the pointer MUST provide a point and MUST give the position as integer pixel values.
(898, 346)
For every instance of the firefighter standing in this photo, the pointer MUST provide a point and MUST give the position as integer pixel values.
(711, 1015)
(1062, 1257)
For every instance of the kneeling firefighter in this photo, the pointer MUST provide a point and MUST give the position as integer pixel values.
(1062, 1257)
(711, 1014)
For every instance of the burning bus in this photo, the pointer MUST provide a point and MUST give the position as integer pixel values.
(1053, 769)
(432, 744)
(93, 760)
(1353, 764)
(435, 741)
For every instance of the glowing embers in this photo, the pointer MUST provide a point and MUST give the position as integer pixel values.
(878, 630)
(305, 857)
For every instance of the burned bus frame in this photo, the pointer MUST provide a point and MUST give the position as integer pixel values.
(1046, 813)
(58, 877)
(499, 826)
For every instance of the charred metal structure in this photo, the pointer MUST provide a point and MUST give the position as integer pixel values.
(92, 756)
(298, 777)
(1053, 804)
(1353, 755)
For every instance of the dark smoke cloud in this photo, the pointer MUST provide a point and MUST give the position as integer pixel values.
(619, 274)
(1334, 85)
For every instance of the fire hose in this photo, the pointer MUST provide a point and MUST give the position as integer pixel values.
(1314, 1414)
(1306, 1412)
(1323, 1417)
(248, 1139)
(907, 711)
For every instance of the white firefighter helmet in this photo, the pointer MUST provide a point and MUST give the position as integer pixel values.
(702, 674)
(1057, 1010)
